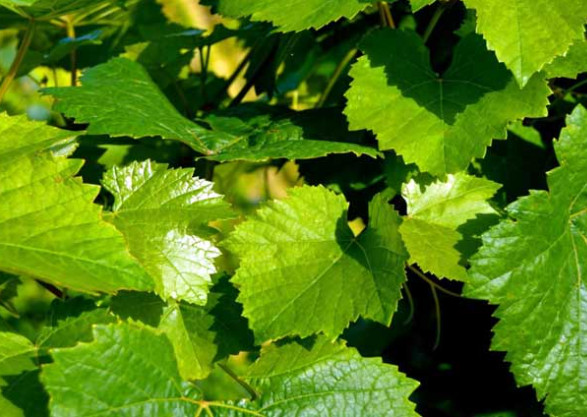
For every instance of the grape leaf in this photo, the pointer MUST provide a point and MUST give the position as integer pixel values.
(531, 265)
(293, 15)
(139, 366)
(48, 9)
(528, 34)
(186, 326)
(70, 322)
(119, 98)
(163, 214)
(340, 381)
(440, 123)
(50, 227)
(107, 100)
(17, 366)
(143, 380)
(430, 231)
(419, 4)
(303, 271)
(268, 134)
(573, 63)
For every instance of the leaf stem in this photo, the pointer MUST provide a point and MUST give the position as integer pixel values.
(73, 54)
(385, 14)
(432, 283)
(254, 395)
(52, 289)
(410, 301)
(335, 76)
(438, 317)
(434, 21)
(22, 50)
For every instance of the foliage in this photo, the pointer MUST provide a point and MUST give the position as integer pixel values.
(239, 218)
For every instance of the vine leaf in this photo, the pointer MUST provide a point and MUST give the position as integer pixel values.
(142, 376)
(303, 271)
(119, 98)
(439, 123)
(48, 9)
(50, 227)
(532, 265)
(163, 214)
(528, 34)
(419, 4)
(107, 100)
(573, 63)
(293, 15)
(255, 133)
(430, 231)
(334, 374)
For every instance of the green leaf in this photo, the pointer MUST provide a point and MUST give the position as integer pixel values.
(531, 265)
(268, 134)
(303, 271)
(50, 227)
(21, 393)
(440, 123)
(48, 9)
(163, 214)
(528, 34)
(573, 63)
(70, 322)
(293, 15)
(328, 379)
(139, 367)
(419, 4)
(186, 326)
(430, 231)
(119, 98)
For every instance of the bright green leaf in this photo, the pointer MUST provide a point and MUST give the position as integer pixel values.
(418, 4)
(48, 9)
(163, 214)
(430, 231)
(573, 63)
(119, 98)
(303, 271)
(527, 34)
(50, 227)
(293, 15)
(139, 367)
(328, 380)
(532, 266)
(440, 123)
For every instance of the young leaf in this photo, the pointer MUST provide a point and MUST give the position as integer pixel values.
(303, 271)
(430, 231)
(531, 265)
(340, 381)
(293, 15)
(528, 34)
(119, 98)
(163, 214)
(440, 123)
(50, 227)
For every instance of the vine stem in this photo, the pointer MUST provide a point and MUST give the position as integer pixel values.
(438, 317)
(335, 76)
(254, 395)
(70, 27)
(434, 21)
(385, 14)
(22, 50)
(432, 283)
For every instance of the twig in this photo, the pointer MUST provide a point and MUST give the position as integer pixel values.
(22, 50)
(434, 284)
(254, 395)
(434, 20)
(335, 76)
(385, 14)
